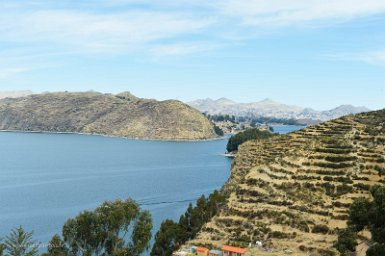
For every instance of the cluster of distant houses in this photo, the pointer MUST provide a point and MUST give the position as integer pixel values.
(202, 251)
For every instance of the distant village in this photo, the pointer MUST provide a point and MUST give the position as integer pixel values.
(232, 128)
(232, 125)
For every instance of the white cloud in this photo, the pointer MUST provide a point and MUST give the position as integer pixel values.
(295, 12)
(182, 48)
(99, 32)
(373, 58)
(156, 27)
(8, 72)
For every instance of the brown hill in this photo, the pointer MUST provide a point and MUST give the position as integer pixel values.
(106, 114)
(292, 192)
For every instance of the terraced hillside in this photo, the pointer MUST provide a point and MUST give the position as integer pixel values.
(293, 191)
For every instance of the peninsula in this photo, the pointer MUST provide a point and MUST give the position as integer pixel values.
(122, 115)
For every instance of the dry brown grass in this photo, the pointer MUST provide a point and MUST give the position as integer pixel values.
(281, 188)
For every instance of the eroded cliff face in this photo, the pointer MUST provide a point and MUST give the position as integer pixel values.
(293, 191)
(106, 114)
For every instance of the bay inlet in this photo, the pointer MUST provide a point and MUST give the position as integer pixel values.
(47, 178)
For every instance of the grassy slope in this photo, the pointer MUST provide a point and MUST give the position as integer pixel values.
(283, 189)
(122, 115)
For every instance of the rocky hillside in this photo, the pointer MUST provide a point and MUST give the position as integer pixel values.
(272, 109)
(292, 192)
(95, 113)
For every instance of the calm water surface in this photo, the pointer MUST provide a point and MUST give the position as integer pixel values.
(47, 178)
(283, 129)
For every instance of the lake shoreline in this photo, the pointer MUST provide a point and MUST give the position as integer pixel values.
(49, 178)
(115, 136)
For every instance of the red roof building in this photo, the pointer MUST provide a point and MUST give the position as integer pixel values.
(233, 251)
(201, 251)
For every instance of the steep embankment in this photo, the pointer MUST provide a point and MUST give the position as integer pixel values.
(95, 113)
(293, 191)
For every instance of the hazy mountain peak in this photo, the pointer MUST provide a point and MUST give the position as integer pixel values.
(225, 101)
(267, 100)
(351, 107)
(271, 108)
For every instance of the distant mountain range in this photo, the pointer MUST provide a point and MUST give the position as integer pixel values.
(273, 109)
(265, 108)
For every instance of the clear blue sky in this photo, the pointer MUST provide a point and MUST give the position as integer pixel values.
(311, 53)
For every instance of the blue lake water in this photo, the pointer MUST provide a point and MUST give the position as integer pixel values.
(283, 129)
(47, 178)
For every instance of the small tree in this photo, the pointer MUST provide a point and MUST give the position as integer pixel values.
(359, 214)
(114, 228)
(20, 243)
(168, 238)
(347, 240)
(366, 214)
(56, 247)
(376, 250)
(2, 248)
(171, 235)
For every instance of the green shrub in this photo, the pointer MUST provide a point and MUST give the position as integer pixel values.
(328, 178)
(347, 241)
(323, 229)
(218, 130)
(251, 134)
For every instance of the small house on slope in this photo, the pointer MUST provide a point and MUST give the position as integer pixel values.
(233, 251)
(201, 251)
